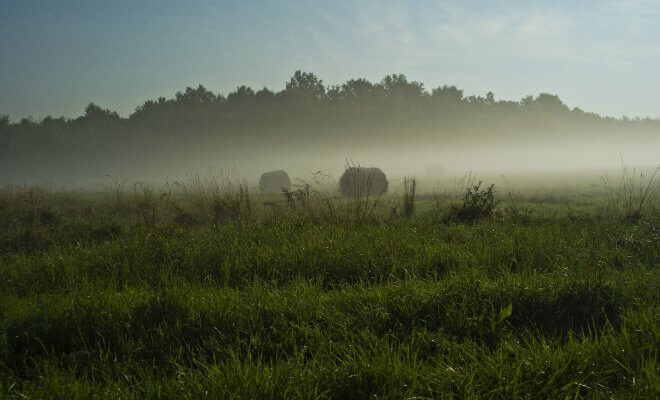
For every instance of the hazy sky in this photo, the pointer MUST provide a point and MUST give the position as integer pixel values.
(58, 55)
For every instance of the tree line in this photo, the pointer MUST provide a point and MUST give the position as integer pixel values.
(305, 111)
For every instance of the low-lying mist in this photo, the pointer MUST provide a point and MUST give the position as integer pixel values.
(396, 125)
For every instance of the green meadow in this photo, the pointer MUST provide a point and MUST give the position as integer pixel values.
(210, 290)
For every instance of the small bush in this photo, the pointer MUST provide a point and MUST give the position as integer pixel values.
(477, 204)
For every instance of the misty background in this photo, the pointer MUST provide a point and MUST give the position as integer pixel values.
(513, 87)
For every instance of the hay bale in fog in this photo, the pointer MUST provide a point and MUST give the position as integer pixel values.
(274, 181)
(361, 181)
(435, 170)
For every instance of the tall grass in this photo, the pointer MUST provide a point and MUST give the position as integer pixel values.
(409, 195)
(632, 194)
(151, 291)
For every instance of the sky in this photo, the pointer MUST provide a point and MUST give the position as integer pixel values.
(57, 56)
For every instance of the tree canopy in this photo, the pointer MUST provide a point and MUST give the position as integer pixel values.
(393, 110)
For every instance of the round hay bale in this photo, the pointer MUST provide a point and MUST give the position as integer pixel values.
(274, 181)
(435, 170)
(361, 182)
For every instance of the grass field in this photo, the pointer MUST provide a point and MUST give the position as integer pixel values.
(209, 291)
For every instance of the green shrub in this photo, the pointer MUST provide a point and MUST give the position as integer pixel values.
(477, 204)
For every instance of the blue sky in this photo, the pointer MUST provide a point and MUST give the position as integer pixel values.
(56, 56)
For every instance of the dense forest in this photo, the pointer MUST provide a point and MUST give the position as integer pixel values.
(305, 114)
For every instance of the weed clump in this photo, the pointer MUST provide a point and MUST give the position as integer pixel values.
(409, 194)
(632, 195)
(232, 205)
(477, 204)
